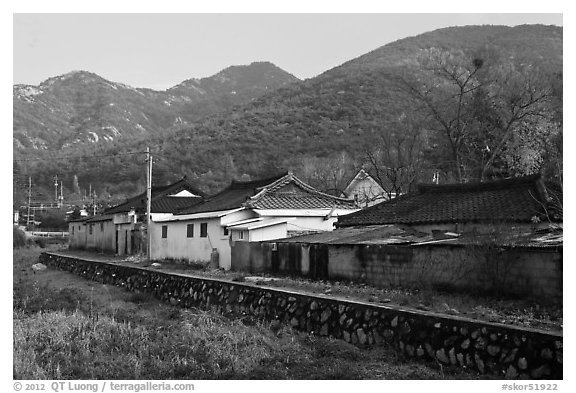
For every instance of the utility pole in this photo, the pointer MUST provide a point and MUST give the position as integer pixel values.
(56, 188)
(29, 201)
(148, 203)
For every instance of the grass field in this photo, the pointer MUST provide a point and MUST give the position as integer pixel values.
(69, 328)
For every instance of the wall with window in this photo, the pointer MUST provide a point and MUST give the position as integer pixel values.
(195, 239)
(77, 238)
(100, 236)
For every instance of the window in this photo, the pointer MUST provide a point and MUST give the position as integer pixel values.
(241, 235)
(72, 230)
(190, 230)
(164, 231)
(204, 229)
(101, 227)
(225, 231)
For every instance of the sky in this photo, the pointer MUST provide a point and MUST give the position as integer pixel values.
(161, 50)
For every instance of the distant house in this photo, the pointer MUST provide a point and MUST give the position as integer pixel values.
(365, 190)
(264, 209)
(121, 228)
(521, 202)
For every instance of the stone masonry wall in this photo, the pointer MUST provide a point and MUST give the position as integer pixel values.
(500, 350)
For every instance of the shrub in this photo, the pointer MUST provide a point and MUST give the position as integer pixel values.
(18, 238)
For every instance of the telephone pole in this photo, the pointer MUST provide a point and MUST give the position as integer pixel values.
(148, 203)
(29, 201)
(56, 188)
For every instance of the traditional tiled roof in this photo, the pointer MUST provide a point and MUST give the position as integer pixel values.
(522, 199)
(162, 202)
(231, 197)
(284, 191)
(289, 192)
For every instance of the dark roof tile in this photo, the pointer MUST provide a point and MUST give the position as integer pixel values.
(510, 200)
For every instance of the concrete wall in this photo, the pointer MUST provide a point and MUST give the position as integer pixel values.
(77, 235)
(199, 249)
(101, 237)
(529, 272)
(499, 350)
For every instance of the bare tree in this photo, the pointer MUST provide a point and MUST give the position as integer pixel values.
(482, 112)
(394, 158)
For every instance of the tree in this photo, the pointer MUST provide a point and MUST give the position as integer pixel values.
(483, 111)
(394, 156)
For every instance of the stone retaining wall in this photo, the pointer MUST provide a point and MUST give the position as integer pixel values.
(504, 351)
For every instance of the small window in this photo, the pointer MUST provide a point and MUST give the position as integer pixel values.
(72, 230)
(241, 235)
(164, 231)
(204, 229)
(190, 230)
(225, 231)
(101, 227)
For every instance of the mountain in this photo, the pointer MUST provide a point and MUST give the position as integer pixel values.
(81, 107)
(327, 121)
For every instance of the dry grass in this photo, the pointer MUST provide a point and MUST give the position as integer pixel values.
(69, 328)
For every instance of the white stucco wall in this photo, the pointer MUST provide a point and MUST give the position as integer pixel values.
(178, 246)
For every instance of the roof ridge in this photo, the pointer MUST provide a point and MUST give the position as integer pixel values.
(290, 177)
(479, 186)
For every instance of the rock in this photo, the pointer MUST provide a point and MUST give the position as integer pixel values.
(362, 338)
(522, 363)
(493, 350)
(422, 307)
(452, 356)
(479, 363)
(387, 333)
(346, 336)
(546, 353)
(453, 311)
(511, 356)
(410, 350)
(540, 372)
(394, 322)
(328, 291)
(39, 267)
(420, 351)
(386, 300)
(441, 355)
(460, 358)
(294, 322)
(559, 356)
(325, 315)
(156, 264)
(511, 372)
(429, 350)
(444, 307)
(464, 331)
(465, 344)
(342, 319)
(314, 305)
(324, 330)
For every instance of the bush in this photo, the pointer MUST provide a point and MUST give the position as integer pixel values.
(18, 238)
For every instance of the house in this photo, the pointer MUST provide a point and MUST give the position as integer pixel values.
(516, 202)
(365, 190)
(264, 209)
(502, 236)
(121, 229)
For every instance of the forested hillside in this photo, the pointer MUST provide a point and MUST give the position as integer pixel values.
(462, 103)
